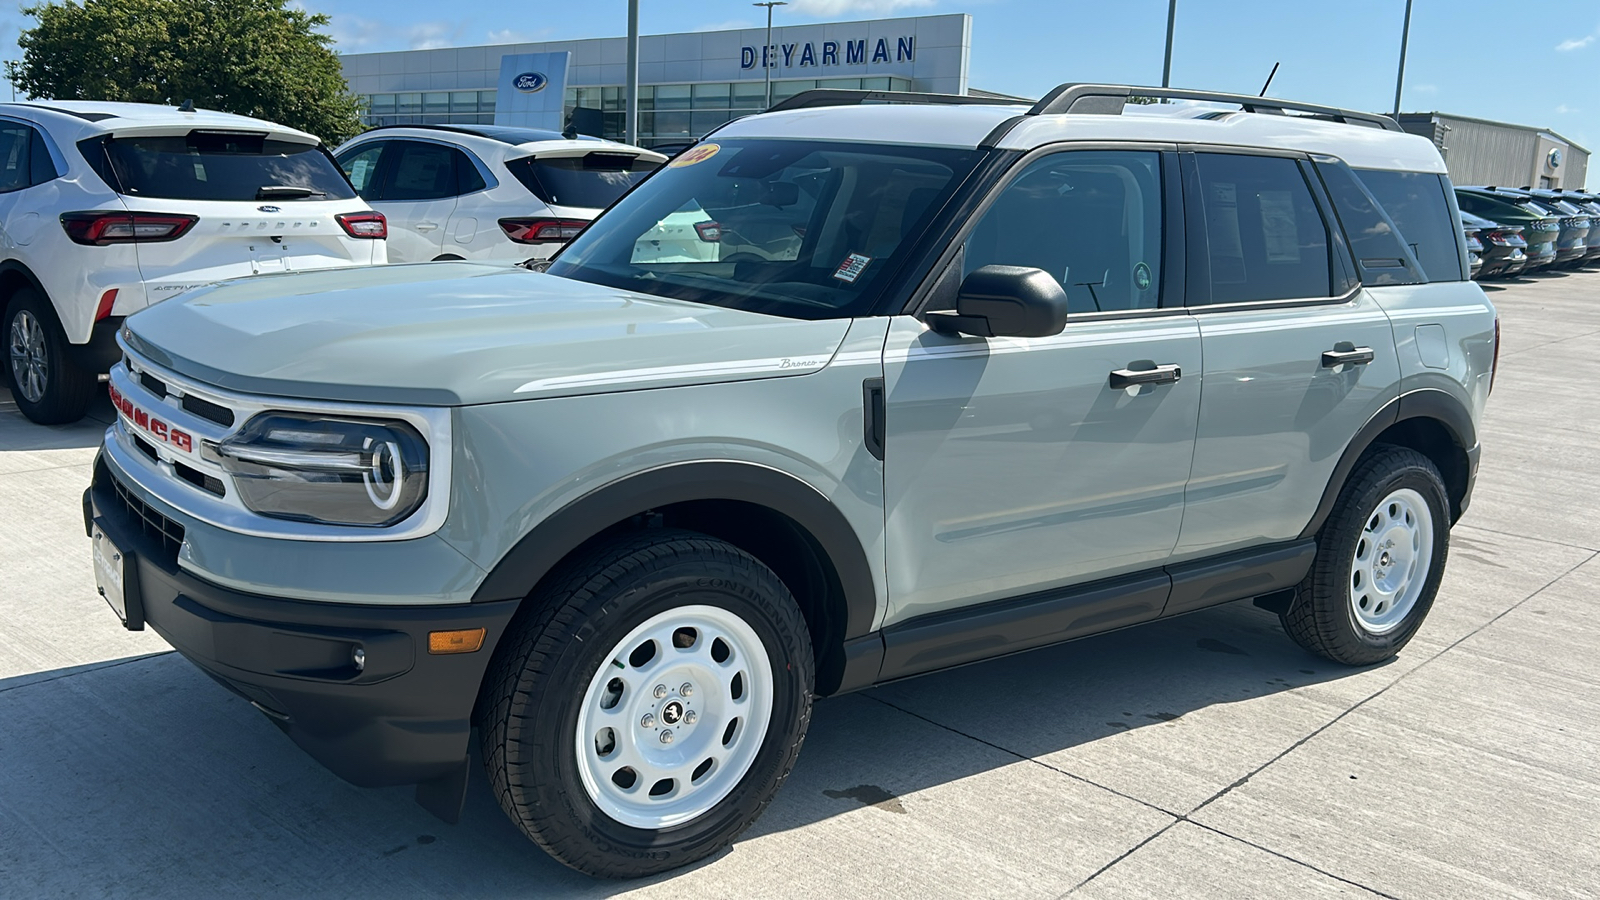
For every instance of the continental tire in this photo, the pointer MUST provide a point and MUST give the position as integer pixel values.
(47, 384)
(646, 709)
(1380, 557)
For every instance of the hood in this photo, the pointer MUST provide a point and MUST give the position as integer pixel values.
(459, 333)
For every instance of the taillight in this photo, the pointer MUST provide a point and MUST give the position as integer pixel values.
(370, 226)
(97, 229)
(1495, 365)
(542, 231)
(710, 232)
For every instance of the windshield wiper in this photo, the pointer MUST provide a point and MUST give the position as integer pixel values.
(286, 192)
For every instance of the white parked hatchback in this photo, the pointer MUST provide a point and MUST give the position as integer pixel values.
(487, 191)
(110, 207)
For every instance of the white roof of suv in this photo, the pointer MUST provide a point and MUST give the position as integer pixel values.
(91, 117)
(1360, 140)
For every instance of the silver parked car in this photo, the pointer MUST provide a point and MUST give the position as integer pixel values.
(1002, 377)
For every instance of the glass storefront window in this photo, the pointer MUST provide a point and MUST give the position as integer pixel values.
(380, 104)
(704, 121)
(749, 94)
(408, 104)
(849, 84)
(712, 96)
(436, 104)
(611, 99)
(464, 102)
(672, 96)
(672, 124)
(486, 103)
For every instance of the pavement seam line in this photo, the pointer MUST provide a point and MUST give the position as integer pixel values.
(1124, 855)
(1287, 857)
(1537, 540)
(1549, 343)
(89, 667)
(1383, 690)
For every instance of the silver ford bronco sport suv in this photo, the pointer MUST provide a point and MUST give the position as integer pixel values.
(847, 392)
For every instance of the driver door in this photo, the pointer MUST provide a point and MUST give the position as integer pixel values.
(1011, 464)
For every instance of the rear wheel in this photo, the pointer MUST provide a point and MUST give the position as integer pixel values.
(1380, 557)
(47, 383)
(647, 712)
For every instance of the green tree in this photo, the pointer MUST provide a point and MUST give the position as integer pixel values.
(259, 58)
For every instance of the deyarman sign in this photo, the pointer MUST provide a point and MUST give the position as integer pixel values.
(830, 53)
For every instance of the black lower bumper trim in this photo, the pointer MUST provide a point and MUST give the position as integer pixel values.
(403, 717)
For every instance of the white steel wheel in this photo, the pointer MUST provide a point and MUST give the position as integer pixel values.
(30, 360)
(674, 717)
(1392, 561)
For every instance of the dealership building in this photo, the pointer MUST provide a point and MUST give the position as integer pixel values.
(688, 83)
(691, 83)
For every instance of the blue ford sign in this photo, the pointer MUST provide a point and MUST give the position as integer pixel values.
(530, 82)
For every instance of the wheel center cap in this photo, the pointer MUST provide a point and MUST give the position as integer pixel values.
(672, 713)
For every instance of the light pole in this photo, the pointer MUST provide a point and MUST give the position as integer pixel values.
(1400, 78)
(768, 46)
(1172, 19)
(630, 128)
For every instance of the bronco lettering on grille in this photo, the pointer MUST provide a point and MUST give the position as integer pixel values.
(150, 425)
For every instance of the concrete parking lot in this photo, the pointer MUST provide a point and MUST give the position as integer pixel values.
(1205, 756)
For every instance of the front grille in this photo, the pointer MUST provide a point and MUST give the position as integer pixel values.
(154, 525)
(205, 409)
(153, 384)
(200, 479)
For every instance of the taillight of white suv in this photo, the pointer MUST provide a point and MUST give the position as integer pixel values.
(542, 231)
(97, 229)
(365, 225)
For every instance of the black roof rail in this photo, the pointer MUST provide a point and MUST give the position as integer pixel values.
(1109, 99)
(845, 97)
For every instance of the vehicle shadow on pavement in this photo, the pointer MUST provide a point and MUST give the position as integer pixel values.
(142, 777)
(17, 432)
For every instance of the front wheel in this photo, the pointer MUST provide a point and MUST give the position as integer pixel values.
(1380, 557)
(647, 710)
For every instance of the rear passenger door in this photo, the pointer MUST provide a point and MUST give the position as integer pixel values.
(418, 195)
(1297, 357)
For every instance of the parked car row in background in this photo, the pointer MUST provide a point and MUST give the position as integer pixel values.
(1517, 231)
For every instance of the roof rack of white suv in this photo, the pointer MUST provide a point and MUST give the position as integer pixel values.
(1101, 99)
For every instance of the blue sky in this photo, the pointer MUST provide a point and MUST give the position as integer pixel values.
(1470, 57)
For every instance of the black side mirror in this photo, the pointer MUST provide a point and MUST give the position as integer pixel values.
(1005, 301)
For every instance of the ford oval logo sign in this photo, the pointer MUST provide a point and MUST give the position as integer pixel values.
(1555, 157)
(530, 82)
(268, 209)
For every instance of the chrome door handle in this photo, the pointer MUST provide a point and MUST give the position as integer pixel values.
(1123, 378)
(1345, 353)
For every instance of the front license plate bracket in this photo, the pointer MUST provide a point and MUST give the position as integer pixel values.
(116, 577)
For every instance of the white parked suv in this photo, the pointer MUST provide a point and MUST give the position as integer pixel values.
(110, 207)
(487, 191)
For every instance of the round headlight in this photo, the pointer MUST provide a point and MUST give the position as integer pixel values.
(328, 469)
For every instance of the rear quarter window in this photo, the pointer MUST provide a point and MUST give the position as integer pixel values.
(1375, 241)
(1417, 203)
(223, 166)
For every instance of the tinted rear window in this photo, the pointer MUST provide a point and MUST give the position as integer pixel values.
(593, 181)
(1374, 239)
(1416, 202)
(1265, 236)
(219, 166)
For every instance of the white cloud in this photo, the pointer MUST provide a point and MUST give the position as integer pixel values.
(512, 36)
(357, 34)
(729, 25)
(1563, 109)
(1577, 43)
(1425, 89)
(841, 7)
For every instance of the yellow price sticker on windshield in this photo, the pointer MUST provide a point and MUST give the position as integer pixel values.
(699, 153)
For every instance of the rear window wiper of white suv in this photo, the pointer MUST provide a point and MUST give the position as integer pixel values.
(286, 192)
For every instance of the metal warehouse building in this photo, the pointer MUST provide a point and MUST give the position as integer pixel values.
(1478, 151)
(689, 83)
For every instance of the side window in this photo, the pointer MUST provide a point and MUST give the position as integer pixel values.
(468, 178)
(361, 167)
(423, 172)
(40, 167)
(1374, 239)
(1091, 218)
(14, 141)
(1265, 236)
(1416, 202)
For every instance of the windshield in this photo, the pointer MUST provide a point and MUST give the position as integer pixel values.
(594, 180)
(217, 165)
(807, 229)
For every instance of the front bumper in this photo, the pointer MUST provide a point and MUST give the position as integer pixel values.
(404, 718)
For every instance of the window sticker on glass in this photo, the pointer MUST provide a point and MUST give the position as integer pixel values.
(359, 172)
(851, 268)
(1279, 233)
(697, 154)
